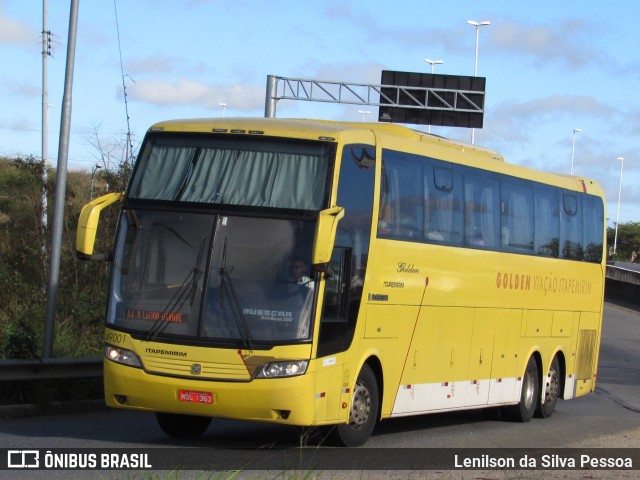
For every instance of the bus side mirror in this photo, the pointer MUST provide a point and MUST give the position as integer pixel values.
(88, 225)
(325, 237)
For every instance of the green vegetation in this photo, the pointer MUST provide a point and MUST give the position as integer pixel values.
(628, 242)
(25, 242)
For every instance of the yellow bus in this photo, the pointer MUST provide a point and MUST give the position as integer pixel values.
(319, 273)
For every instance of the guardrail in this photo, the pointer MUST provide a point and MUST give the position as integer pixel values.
(50, 368)
(623, 282)
(624, 272)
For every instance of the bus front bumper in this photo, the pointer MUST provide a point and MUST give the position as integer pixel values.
(281, 400)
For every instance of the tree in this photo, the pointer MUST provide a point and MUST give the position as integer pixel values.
(24, 254)
(628, 241)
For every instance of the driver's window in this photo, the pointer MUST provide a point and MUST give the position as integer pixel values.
(334, 318)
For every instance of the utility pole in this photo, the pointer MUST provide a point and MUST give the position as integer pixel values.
(46, 52)
(61, 186)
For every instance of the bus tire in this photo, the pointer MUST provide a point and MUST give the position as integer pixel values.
(363, 416)
(529, 396)
(185, 426)
(551, 391)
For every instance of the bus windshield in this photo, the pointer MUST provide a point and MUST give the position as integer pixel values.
(228, 170)
(213, 278)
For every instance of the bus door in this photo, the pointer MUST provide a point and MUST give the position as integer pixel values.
(344, 277)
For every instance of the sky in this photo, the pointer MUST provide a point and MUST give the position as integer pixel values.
(551, 67)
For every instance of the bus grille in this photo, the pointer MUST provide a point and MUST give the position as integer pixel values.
(206, 370)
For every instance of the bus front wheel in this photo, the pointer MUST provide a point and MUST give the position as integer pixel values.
(186, 426)
(363, 415)
(529, 396)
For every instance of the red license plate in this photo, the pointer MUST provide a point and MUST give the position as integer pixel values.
(195, 397)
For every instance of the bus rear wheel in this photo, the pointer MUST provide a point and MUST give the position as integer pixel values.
(551, 391)
(529, 396)
(365, 405)
(185, 426)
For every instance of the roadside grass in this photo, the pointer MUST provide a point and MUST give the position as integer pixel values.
(225, 475)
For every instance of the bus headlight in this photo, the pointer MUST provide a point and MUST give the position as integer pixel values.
(122, 355)
(283, 369)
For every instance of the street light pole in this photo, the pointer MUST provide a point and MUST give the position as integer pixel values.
(573, 146)
(433, 69)
(224, 108)
(433, 63)
(477, 25)
(615, 238)
(363, 113)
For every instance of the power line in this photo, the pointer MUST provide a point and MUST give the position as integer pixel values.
(129, 147)
(38, 130)
(6, 153)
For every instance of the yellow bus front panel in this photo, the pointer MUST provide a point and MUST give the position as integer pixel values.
(292, 401)
(167, 385)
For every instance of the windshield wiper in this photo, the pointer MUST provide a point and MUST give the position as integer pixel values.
(226, 285)
(186, 291)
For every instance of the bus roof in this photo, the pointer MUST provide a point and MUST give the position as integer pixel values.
(312, 129)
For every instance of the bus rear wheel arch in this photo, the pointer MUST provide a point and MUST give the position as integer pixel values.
(364, 411)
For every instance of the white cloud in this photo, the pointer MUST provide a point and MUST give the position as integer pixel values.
(554, 106)
(367, 73)
(156, 64)
(192, 92)
(568, 42)
(517, 126)
(15, 32)
(22, 88)
(511, 119)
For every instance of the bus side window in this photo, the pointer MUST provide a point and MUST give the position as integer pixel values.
(481, 220)
(571, 232)
(547, 221)
(401, 201)
(517, 208)
(593, 211)
(445, 205)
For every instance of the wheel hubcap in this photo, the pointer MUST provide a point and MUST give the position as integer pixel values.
(552, 387)
(360, 406)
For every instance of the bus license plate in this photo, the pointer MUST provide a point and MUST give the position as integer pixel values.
(195, 397)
